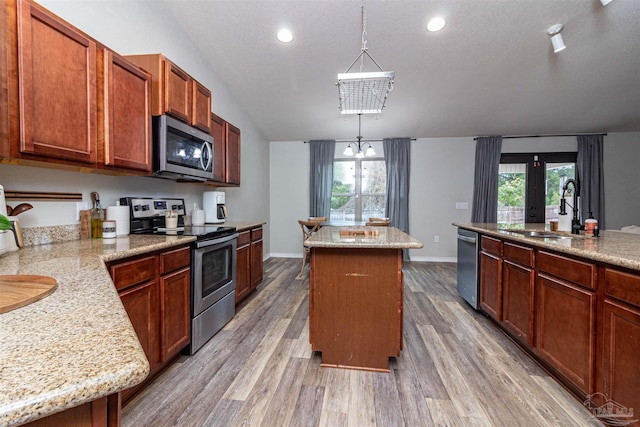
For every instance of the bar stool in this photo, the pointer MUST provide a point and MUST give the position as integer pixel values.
(308, 227)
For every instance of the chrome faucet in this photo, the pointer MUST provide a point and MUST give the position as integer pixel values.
(575, 222)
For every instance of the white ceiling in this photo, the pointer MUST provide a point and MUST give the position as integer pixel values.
(491, 70)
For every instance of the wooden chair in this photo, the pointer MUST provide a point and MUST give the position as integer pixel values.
(379, 222)
(308, 227)
(318, 218)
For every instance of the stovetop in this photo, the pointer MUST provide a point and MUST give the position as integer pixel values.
(202, 232)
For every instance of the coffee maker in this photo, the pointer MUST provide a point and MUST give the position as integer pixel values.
(213, 203)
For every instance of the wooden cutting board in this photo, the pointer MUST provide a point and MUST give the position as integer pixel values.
(359, 231)
(20, 290)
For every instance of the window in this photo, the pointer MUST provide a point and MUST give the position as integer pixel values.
(359, 189)
(530, 186)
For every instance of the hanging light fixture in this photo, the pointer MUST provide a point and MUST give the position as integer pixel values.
(359, 145)
(364, 92)
(556, 38)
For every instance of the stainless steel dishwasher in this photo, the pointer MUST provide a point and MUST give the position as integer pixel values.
(468, 275)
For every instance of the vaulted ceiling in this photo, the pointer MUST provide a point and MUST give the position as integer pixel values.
(491, 70)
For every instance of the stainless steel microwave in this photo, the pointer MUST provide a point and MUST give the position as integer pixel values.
(181, 152)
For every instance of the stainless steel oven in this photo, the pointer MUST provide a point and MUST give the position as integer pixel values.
(213, 287)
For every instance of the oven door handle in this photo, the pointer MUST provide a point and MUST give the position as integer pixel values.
(211, 242)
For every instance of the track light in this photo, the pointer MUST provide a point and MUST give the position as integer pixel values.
(556, 37)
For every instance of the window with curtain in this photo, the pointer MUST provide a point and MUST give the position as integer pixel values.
(359, 189)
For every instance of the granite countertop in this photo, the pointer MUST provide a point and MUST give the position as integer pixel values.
(389, 238)
(611, 247)
(242, 225)
(77, 344)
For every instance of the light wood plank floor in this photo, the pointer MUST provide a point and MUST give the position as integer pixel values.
(456, 369)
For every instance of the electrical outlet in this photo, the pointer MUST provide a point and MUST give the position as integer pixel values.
(436, 239)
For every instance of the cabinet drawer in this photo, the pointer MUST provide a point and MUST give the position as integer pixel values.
(518, 254)
(491, 245)
(174, 260)
(581, 273)
(623, 286)
(132, 272)
(244, 238)
(256, 234)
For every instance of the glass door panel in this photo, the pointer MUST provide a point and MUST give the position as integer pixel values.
(512, 187)
(556, 174)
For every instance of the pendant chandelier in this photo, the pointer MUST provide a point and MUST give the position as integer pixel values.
(364, 92)
(359, 145)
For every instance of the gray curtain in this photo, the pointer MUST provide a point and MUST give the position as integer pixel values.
(321, 177)
(591, 177)
(485, 185)
(397, 156)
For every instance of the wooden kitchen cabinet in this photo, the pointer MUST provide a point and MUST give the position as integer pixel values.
(491, 277)
(226, 152)
(243, 266)
(155, 290)
(4, 88)
(249, 264)
(566, 318)
(124, 113)
(621, 333)
(56, 86)
(77, 105)
(103, 412)
(175, 92)
(518, 280)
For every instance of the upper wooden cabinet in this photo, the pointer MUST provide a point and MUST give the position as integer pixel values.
(56, 86)
(124, 113)
(72, 101)
(226, 152)
(175, 92)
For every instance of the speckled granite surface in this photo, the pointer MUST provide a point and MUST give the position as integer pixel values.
(389, 238)
(242, 225)
(77, 344)
(622, 249)
(34, 236)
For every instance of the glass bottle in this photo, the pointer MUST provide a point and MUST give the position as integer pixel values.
(97, 216)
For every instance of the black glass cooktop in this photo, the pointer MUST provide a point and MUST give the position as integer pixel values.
(201, 232)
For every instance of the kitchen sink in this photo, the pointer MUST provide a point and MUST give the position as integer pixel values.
(543, 234)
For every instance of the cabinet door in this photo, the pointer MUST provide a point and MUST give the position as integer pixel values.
(4, 87)
(256, 263)
(233, 155)
(243, 271)
(517, 301)
(218, 133)
(201, 108)
(57, 87)
(126, 114)
(175, 315)
(177, 92)
(491, 285)
(621, 367)
(565, 330)
(141, 305)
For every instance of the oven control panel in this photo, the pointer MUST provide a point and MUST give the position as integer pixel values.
(147, 207)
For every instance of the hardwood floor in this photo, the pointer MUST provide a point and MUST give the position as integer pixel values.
(456, 369)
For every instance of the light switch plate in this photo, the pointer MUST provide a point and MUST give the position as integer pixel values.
(462, 205)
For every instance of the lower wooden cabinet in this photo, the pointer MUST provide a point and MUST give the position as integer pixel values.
(249, 264)
(103, 412)
(155, 290)
(565, 330)
(517, 301)
(491, 285)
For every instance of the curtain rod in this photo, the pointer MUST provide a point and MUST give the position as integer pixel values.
(355, 140)
(547, 136)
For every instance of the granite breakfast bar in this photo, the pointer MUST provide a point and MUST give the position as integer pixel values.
(75, 346)
(356, 296)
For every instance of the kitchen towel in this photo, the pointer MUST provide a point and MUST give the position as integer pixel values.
(119, 214)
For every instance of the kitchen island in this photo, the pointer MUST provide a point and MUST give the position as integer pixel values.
(571, 301)
(356, 296)
(76, 346)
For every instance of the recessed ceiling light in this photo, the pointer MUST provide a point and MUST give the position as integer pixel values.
(436, 24)
(285, 36)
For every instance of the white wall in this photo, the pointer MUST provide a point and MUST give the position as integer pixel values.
(145, 27)
(442, 172)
